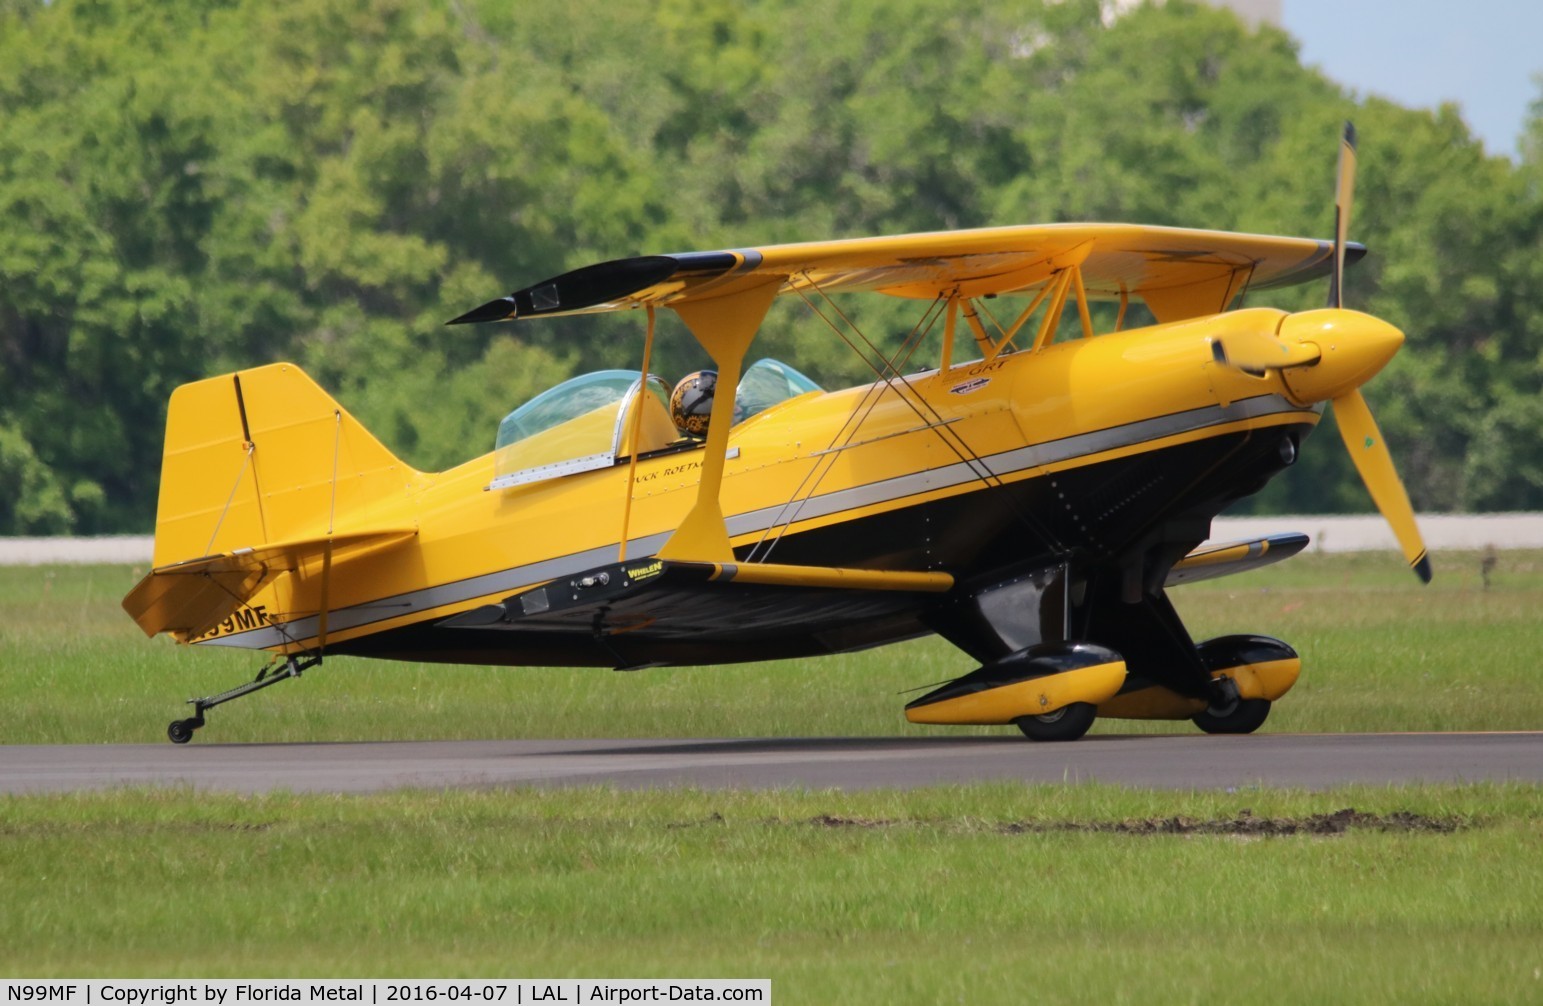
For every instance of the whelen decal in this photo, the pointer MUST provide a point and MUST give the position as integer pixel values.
(645, 572)
(1004, 464)
(969, 386)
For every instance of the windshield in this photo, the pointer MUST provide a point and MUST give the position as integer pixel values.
(767, 383)
(568, 401)
(582, 424)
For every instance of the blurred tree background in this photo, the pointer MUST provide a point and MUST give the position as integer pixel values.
(195, 187)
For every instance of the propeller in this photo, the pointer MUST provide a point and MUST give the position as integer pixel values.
(1326, 356)
(1364, 442)
(1362, 438)
(1344, 195)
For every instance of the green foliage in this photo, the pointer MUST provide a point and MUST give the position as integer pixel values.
(35, 502)
(190, 188)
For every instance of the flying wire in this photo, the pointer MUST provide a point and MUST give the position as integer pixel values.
(855, 420)
(967, 455)
(859, 414)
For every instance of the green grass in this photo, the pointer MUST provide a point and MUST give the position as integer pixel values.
(935, 895)
(987, 893)
(1380, 652)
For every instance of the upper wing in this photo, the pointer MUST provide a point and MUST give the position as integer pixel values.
(1185, 271)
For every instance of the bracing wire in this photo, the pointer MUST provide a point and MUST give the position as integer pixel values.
(854, 421)
(949, 437)
(245, 462)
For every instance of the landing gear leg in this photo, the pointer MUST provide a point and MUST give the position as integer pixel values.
(181, 731)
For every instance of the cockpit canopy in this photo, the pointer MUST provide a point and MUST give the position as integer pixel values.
(587, 422)
(582, 424)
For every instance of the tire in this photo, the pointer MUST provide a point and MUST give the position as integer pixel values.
(179, 732)
(1065, 724)
(1241, 716)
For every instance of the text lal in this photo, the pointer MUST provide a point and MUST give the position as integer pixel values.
(602, 993)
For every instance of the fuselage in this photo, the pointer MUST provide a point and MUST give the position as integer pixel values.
(1077, 451)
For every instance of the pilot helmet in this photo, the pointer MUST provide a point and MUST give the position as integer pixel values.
(692, 401)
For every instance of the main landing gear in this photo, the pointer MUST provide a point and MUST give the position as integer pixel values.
(1060, 647)
(1065, 724)
(181, 731)
(1241, 716)
(1229, 712)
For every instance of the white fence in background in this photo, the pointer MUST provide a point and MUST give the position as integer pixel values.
(1329, 534)
(1369, 532)
(126, 549)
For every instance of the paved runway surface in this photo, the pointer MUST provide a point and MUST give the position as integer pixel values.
(1307, 760)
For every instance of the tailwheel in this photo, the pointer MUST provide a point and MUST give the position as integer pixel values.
(1234, 716)
(181, 731)
(1065, 724)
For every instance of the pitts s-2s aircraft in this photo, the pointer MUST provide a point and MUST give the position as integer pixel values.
(1031, 505)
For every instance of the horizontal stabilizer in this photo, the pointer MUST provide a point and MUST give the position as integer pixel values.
(1225, 558)
(191, 597)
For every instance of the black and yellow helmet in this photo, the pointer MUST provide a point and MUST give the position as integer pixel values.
(691, 402)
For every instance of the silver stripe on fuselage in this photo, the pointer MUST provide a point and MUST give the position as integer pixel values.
(1006, 463)
(1009, 462)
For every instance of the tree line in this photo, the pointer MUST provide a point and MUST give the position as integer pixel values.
(195, 187)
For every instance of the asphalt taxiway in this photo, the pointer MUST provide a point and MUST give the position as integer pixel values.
(1314, 761)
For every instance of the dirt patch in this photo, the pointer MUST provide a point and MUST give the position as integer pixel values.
(1244, 823)
(832, 821)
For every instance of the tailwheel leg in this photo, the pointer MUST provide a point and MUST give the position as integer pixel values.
(181, 731)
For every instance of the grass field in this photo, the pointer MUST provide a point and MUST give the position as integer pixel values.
(1380, 652)
(979, 894)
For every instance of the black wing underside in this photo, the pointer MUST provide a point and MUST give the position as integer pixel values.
(656, 600)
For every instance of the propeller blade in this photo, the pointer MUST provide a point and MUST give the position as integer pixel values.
(1364, 441)
(1344, 196)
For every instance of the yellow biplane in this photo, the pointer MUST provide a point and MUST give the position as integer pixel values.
(1030, 498)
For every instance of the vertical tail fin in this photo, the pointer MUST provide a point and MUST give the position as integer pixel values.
(263, 456)
(263, 475)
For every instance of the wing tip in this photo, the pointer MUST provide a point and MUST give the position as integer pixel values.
(502, 309)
